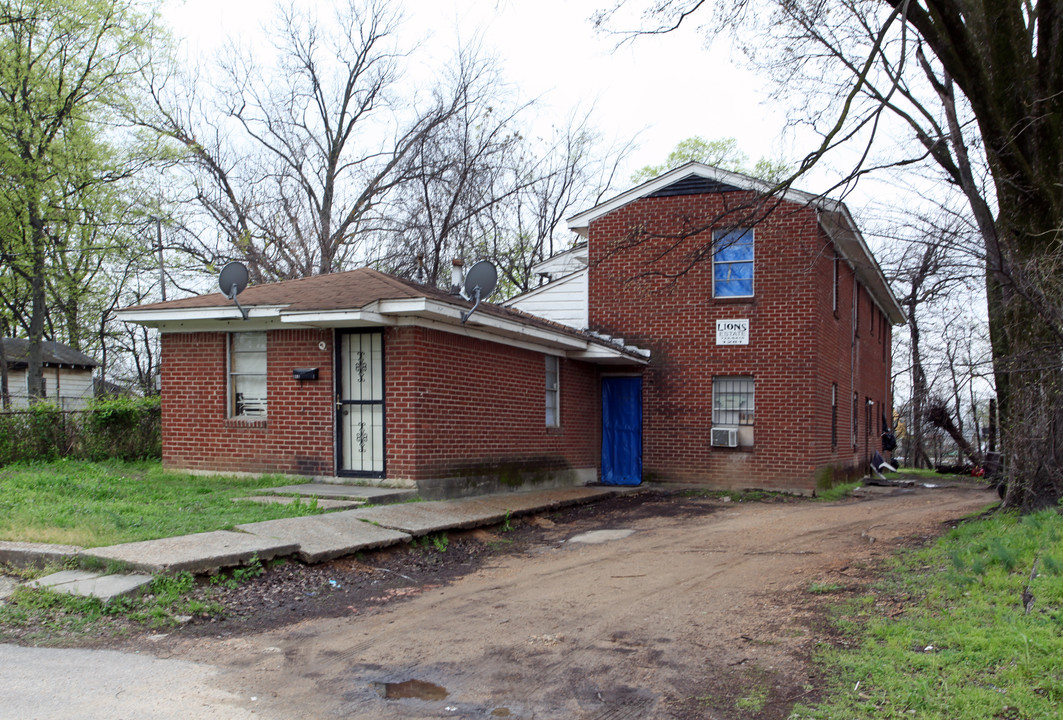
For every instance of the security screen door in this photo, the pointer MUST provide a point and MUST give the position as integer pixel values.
(360, 404)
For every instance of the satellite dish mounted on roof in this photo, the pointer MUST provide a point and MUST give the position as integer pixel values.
(233, 281)
(480, 282)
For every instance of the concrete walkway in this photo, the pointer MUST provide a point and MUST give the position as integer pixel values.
(312, 539)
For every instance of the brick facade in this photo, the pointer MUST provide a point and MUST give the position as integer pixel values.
(297, 434)
(650, 282)
(461, 413)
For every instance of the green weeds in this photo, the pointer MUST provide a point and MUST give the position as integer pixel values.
(93, 504)
(964, 647)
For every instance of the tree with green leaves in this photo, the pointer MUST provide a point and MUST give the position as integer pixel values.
(66, 69)
(722, 153)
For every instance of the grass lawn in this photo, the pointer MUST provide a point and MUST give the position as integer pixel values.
(92, 504)
(964, 646)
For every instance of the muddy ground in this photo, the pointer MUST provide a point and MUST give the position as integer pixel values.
(707, 609)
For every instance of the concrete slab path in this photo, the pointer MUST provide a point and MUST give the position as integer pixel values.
(23, 554)
(324, 537)
(288, 500)
(201, 552)
(369, 493)
(428, 517)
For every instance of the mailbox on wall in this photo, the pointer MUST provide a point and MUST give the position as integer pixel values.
(304, 374)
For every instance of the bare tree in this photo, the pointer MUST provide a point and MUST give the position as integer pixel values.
(996, 73)
(307, 147)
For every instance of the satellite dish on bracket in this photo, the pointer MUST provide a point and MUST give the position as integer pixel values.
(233, 281)
(480, 282)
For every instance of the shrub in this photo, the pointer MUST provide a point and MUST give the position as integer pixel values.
(125, 428)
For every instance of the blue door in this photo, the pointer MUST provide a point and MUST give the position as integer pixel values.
(622, 430)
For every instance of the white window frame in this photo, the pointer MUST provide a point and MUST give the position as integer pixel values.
(721, 240)
(553, 391)
(739, 393)
(233, 410)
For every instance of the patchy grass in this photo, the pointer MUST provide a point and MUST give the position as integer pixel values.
(964, 647)
(93, 504)
(837, 492)
(52, 616)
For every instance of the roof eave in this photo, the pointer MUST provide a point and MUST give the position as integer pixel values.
(842, 230)
(581, 221)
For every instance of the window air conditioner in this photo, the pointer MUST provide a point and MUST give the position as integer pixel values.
(724, 437)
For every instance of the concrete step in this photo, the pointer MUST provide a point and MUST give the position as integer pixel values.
(369, 494)
(99, 585)
(322, 503)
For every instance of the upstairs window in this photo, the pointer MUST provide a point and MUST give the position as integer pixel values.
(732, 400)
(732, 263)
(247, 375)
(553, 392)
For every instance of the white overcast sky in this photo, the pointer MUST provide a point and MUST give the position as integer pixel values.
(664, 89)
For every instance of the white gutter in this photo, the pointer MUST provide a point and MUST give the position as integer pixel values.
(403, 312)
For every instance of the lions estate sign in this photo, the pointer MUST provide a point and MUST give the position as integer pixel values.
(732, 332)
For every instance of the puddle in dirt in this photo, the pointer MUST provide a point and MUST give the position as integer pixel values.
(410, 689)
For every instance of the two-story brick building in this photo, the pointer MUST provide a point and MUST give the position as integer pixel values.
(704, 332)
(767, 319)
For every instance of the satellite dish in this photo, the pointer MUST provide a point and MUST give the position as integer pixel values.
(233, 281)
(480, 282)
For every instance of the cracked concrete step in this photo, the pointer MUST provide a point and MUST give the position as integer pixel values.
(93, 584)
(371, 495)
(24, 554)
(322, 503)
(324, 537)
(202, 552)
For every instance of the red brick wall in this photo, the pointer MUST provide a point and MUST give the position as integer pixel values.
(456, 408)
(459, 407)
(297, 434)
(653, 287)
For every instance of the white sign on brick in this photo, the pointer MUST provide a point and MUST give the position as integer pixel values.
(732, 332)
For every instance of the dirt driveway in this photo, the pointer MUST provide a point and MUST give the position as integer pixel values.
(702, 611)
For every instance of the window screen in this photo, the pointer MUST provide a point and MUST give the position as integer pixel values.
(247, 374)
(732, 401)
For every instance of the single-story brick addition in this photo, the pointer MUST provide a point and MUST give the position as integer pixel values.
(704, 332)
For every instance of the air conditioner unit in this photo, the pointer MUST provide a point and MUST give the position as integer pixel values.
(724, 437)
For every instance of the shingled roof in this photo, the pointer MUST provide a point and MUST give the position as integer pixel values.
(53, 354)
(295, 300)
(336, 291)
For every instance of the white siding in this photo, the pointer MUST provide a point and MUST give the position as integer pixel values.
(75, 387)
(563, 301)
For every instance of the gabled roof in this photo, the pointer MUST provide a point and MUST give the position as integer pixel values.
(369, 298)
(53, 354)
(834, 218)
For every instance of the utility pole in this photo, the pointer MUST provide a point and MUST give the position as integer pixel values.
(162, 267)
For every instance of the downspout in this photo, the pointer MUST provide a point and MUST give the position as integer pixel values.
(854, 423)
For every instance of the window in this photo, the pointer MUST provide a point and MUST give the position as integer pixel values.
(732, 401)
(247, 375)
(553, 392)
(834, 415)
(732, 263)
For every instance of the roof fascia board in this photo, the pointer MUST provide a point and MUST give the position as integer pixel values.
(847, 236)
(147, 317)
(587, 351)
(583, 220)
